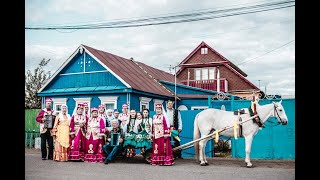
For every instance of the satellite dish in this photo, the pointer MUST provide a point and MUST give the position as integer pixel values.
(182, 108)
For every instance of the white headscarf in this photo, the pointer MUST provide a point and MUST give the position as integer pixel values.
(61, 115)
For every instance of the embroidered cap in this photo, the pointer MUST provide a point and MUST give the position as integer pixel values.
(80, 105)
(85, 104)
(124, 105)
(48, 100)
(158, 105)
(94, 109)
(101, 106)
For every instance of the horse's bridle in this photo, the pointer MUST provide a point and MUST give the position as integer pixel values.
(276, 113)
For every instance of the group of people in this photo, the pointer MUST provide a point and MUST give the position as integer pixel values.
(88, 138)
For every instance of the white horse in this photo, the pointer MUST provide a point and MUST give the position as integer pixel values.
(218, 119)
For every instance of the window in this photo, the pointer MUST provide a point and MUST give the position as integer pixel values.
(157, 101)
(57, 103)
(83, 100)
(211, 73)
(204, 75)
(144, 103)
(199, 107)
(109, 106)
(204, 50)
(198, 74)
(110, 102)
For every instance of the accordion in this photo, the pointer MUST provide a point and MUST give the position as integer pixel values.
(114, 139)
(49, 122)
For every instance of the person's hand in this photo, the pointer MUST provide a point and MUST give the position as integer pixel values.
(166, 136)
(109, 139)
(120, 140)
(179, 130)
(123, 122)
(43, 119)
(81, 124)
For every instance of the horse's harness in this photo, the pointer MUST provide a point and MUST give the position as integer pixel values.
(256, 120)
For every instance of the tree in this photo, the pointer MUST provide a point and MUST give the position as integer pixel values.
(33, 83)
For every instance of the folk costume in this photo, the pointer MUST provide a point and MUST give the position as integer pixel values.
(62, 141)
(161, 145)
(45, 133)
(174, 121)
(124, 119)
(109, 148)
(94, 139)
(78, 125)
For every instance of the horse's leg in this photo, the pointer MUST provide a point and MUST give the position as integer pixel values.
(204, 151)
(248, 140)
(201, 153)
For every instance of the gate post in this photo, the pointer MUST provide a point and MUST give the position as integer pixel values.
(233, 143)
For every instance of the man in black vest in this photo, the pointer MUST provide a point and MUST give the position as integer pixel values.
(174, 120)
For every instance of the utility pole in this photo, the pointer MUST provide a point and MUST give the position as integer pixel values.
(175, 84)
(175, 87)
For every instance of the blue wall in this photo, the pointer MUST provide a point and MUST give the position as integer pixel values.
(83, 80)
(77, 65)
(135, 101)
(95, 101)
(185, 90)
(192, 102)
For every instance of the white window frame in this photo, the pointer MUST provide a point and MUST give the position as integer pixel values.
(210, 78)
(144, 101)
(195, 74)
(204, 77)
(58, 101)
(109, 100)
(84, 100)
(204, 50)
(199, 107)
(157, 101)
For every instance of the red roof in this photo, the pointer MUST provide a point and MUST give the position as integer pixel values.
(132, 73)
(158, 74)
(228, 63)
(205, 44)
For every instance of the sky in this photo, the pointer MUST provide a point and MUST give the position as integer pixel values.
(258, 42)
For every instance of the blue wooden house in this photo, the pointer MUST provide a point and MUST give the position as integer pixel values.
(97, 77)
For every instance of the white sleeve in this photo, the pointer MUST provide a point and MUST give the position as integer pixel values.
(179, 121)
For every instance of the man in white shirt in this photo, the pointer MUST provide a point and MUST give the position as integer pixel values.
(174, 120)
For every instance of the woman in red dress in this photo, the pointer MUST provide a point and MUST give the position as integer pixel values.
(161, 145)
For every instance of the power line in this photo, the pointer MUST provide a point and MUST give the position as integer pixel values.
(266, 53)
(187, 17)
(163, 14)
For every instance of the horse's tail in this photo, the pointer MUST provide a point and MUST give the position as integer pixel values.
(196, 135)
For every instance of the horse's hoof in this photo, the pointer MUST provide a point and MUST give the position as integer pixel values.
(249, 165)
(203, 164)
(206, 163)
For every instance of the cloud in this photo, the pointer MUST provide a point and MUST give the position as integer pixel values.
(238, 38)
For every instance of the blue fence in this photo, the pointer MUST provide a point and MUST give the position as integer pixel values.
(272, 142)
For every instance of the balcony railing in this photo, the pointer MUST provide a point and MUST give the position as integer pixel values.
(209, 84)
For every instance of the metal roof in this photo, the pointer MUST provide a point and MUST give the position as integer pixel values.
(132, 72)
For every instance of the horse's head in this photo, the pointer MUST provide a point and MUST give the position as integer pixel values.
(280, 113)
